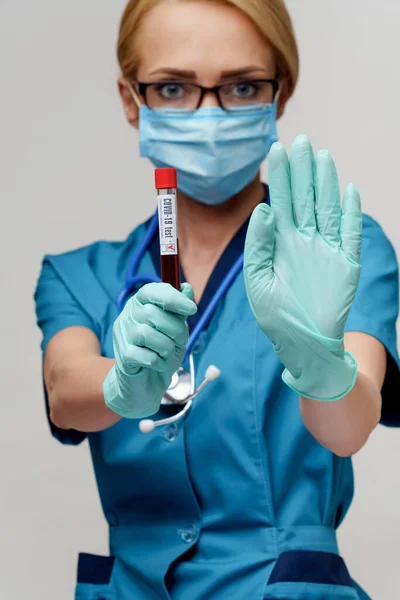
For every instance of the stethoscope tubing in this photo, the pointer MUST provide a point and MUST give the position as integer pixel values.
(133, 280)
(212, 306)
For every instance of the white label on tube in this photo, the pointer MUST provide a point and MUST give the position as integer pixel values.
(168, 226)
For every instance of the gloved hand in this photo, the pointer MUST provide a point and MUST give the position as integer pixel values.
(150, 338)
(302, 268)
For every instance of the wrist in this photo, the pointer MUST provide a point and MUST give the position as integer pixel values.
(327, 379)
(128, 397)
(111, 391)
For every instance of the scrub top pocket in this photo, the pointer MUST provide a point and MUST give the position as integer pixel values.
(94, 577)
(309, 575)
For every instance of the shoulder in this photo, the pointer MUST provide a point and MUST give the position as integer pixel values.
(376, 305)
(376, 301)
(94, 257)
(372, 230)
(376, 247)
(86, 279)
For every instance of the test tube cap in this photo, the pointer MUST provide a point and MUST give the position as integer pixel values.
(165, 179)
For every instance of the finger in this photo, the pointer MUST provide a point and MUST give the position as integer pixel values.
(260, 243)
(351, 224)
(167, 298)
(302, 183)
(169, 324)
(136, 358)
(328, 211)
(279, 187)
(148, 337)
(187, 290)
(119, 338)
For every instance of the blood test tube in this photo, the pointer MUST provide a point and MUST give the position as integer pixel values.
(166, 185)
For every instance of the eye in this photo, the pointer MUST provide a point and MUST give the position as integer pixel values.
(172, 94)
(171, 91)
(245, 89)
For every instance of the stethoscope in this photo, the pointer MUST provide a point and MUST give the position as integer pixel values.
(182, 389)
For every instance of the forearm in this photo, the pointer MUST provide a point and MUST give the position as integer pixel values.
(75, 389)
(345, 425)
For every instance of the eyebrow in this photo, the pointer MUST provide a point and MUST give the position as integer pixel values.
(184, 74)
(242, 72)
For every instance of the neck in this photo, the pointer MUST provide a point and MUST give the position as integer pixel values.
(208, 229)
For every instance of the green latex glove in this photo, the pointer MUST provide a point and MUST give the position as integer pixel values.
(302, 268)
(149, 339)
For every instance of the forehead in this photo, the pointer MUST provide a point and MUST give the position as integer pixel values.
(200, 36)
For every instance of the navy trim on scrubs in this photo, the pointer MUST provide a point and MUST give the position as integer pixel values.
(95, 569)
(226, 261)
(390, 416)
(305, 566)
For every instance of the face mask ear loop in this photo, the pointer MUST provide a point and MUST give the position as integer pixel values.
(133, 94)
(278, 94)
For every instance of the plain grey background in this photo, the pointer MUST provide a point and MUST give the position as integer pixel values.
(71, 174)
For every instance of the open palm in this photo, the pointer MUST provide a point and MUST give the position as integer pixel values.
(302, 258)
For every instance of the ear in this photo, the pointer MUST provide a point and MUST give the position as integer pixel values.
(284, 95)
(130, 107)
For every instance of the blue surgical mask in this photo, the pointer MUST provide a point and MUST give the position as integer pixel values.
(216, 153)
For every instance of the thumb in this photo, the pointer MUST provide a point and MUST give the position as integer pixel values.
(351, 224)
(187, 290)
(260, 243)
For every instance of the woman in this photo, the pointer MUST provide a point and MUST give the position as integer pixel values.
(241, 498)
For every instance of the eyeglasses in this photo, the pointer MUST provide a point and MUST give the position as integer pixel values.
(161, 95)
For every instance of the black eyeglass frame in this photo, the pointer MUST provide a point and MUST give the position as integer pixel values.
(141, 88)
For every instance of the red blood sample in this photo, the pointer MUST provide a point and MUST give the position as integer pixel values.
(166, 185)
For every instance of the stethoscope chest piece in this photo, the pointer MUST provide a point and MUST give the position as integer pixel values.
(180, 389)
(182, 392)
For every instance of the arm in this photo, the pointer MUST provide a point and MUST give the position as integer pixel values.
(302, 270)
(344, 426)
(90, 393)
(74, 372)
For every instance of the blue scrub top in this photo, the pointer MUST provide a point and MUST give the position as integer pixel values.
(238, 501)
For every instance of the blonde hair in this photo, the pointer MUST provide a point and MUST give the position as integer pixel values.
(270, 16)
